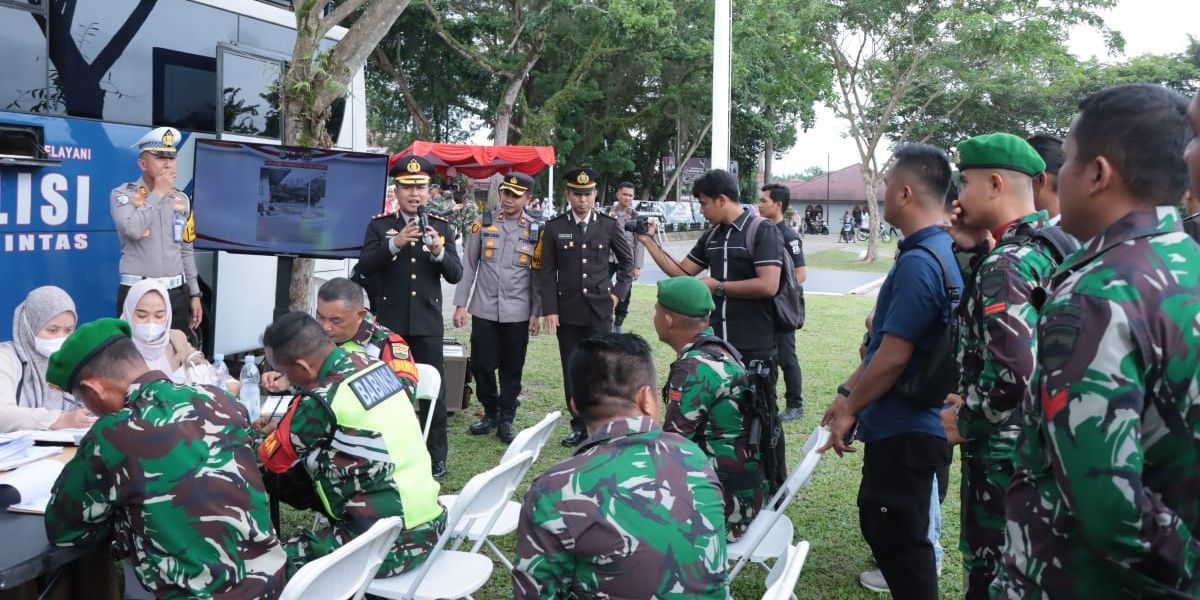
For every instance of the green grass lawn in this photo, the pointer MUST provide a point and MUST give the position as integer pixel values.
(824, 513)
(839, 259)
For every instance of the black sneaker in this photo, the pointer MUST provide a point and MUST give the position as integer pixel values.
(576, 438)
(439, 471)
(485, 425)
(791, 413)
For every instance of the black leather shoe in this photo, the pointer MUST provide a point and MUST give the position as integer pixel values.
(576, 438)
(439, 471)
(485, 425)
(505, 432)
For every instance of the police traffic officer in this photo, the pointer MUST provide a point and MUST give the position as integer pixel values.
(498, 283)
(155, 228)
(407, 265)
(571, 261)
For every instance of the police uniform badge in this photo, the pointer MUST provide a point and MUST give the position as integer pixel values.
(475, 227)
(582, 178)
(413, 166)
(122, 199)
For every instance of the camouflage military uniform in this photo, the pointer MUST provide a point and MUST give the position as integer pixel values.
(380, 343)
(442, 206)
(635, 513)
(997, 355)
(172, 478)
(703, 391)
(1103, 502)
(359, 491)
(465, 217)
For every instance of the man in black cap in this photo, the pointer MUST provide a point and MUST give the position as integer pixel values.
(408, 264)
(572, 277)
(497, 290)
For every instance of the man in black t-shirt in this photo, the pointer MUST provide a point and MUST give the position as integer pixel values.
(772, 204)
(742, 280)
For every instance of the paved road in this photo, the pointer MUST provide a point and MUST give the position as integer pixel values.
(837, 283)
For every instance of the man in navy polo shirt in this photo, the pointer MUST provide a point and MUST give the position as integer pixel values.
(904, 440)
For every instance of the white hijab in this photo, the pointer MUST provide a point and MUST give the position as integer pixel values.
(41, 305)
(154, 351)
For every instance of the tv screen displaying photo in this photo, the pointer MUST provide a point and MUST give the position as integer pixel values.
(267, 199)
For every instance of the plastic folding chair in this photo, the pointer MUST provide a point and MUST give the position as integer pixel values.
(429, 385)
(345, 572)
(451, 573)
(781, 581)
(770, 533)
(531, 439)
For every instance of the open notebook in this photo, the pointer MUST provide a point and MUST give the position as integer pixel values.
(27, 489)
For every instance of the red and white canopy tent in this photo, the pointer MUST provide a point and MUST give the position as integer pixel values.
(481, 162)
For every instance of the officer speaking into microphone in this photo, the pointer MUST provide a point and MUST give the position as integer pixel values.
(408, 253)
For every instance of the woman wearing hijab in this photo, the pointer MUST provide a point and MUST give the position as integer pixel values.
(163, 348)
(40, 324)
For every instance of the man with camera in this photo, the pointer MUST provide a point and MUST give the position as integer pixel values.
(572, 276)
(902, 432)
(627, 218)
(743, 279)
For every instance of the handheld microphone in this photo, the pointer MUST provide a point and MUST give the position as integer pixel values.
(423, 223)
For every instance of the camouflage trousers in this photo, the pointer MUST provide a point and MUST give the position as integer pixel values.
(984, 481)
(409, 551)
(742, 502)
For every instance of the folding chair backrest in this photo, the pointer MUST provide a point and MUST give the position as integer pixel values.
(800, 476)
(484, 497)
(347, 571)
(429, 382)
(533, 439)
(781, 581)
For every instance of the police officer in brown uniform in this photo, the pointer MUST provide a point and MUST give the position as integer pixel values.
(572, 276)
(154, 225)
(408, 264)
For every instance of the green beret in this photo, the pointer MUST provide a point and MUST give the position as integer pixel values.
(80, 347)
(686, 296)
(999, 151)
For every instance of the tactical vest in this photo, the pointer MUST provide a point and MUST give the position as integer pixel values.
(360, 402)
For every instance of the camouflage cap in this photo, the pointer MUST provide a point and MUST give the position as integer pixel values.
(685, 295)
(999, 151)
(80, 347)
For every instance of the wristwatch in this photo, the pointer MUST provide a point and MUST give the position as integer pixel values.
(844, 391)
(719, 291)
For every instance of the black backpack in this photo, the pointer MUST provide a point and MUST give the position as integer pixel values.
(934, 374)
(788, 302)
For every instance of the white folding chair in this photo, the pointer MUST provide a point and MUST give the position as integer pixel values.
(781, 581)
(531, 439)
(451, 573)
(429, 385)
(345, 572)
(770, 533)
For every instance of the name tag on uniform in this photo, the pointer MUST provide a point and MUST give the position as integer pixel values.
(566, 236)
(178, 228)
(375, 386)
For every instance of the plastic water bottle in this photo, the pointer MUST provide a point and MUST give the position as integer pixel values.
(250, 395)
(222, 372)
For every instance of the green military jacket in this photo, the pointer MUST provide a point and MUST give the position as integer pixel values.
(173, 479)
(635, 513)
(703, 395)
(998, 344)
(1104, 501)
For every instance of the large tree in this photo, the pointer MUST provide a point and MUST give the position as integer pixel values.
(889, 53)
(316, 78)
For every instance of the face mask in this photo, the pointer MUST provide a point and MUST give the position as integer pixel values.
(148, 332)
(47, 347)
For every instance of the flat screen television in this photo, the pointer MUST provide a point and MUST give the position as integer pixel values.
(268, 199)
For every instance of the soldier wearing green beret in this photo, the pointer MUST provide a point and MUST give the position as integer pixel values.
(705, 397)
(167, 471)
(1005, 258)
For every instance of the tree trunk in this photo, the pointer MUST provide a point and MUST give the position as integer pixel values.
(872, 181)
(683, 160)
(768, 156)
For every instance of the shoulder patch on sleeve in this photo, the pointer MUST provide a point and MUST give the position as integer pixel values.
(475, 227)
